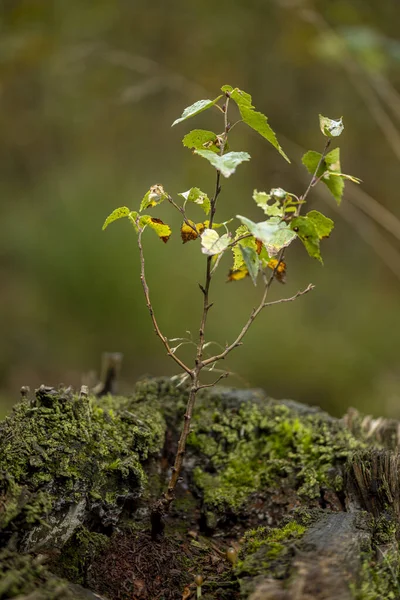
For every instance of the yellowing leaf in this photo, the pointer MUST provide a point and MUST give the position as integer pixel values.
(280, 273)
(238, 274)
(188, 233)
(155, 195)
(162, 230)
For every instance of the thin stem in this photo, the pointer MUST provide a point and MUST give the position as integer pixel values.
(182, 211)
(206, 287)
(299, 293)
(151, 310)
(223, 375)
(314, 179)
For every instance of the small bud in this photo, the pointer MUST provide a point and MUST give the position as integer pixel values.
(198, 580)
(231, 555)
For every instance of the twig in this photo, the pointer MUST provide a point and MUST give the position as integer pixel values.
(182, 211)
(151, 310)
(254, 313)
(314, 179)
(299, 293)
(224, 375)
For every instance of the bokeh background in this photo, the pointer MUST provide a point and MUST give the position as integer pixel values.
(88, 91)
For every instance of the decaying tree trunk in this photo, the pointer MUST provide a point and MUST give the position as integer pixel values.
(307, 506)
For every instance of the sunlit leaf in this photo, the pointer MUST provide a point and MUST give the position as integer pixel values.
(262, 199)
(155, 195)
(308, 234)
(226, 163)
(331, 127)
(118, 213)
(198, 197)
(188, 233)
(212, 244)
(252, 262)
(274, 233)
(322, 224)
(162, 230)
(328, 171)
(238, 274)
(195, 109)
(252, 118)
(200, 139)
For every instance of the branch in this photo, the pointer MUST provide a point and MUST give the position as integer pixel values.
(208, 385)
(299, 293)
(254, 313)
(150, 307)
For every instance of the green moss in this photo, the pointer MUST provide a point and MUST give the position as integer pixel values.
(380, 577)
(59, 446)
(266, 551)
(252, 446)
(78, 554)
(23, 574)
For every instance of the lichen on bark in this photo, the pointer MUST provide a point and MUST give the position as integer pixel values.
(64, 457)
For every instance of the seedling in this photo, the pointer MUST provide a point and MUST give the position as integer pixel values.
(258, 248)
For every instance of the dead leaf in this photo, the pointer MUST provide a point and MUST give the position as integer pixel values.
(280, 273)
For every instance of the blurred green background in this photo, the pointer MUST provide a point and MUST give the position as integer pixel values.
(88, 91)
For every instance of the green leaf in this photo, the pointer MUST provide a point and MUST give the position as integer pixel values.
(198, 197)
(262, 199)
(252, 262)
(252, 118)
(118, 213)
(226, 163)
(212, 244)
(329, 170)
(195, 109)
(155, 195)
(250, 242)
(162, 230)
(274, 233)
(331, 127)
(322, 224)
(308, 234)
(200, 139)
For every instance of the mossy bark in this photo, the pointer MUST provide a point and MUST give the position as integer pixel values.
(319, 497)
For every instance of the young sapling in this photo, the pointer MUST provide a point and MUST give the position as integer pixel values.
(258, 248)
